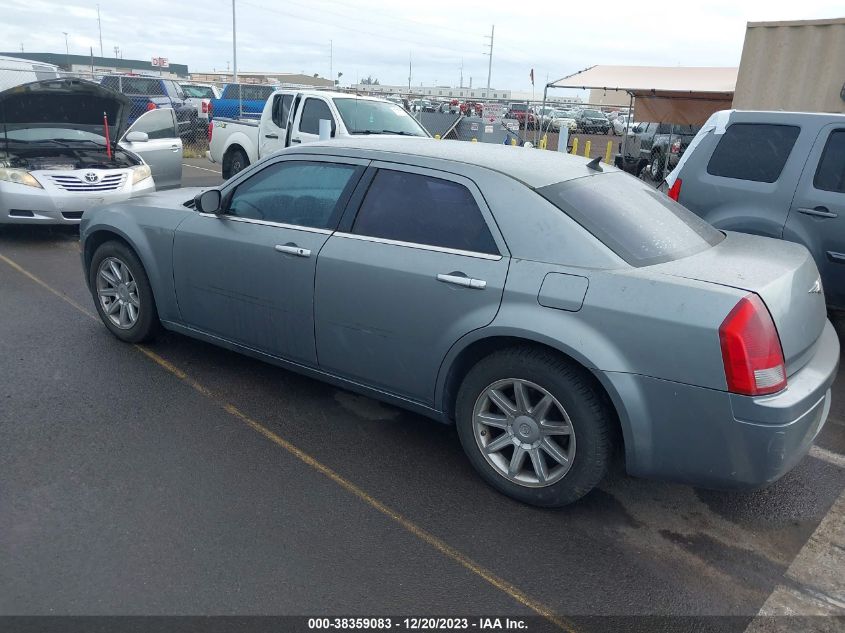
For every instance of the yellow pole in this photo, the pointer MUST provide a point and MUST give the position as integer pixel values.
(607, 152)
(513, 140)
(475, 140)
(545, 141)
(575, 146)
(437, 136)
(587, 147)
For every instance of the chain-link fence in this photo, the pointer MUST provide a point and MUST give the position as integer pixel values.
(585, 129)
(190, 106)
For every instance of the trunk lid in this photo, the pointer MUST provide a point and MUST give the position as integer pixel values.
(781, 273)
(66, 104)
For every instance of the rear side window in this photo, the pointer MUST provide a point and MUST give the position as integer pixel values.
(423, 210)
(637, 222)
(830, 174)
(281, 109)
(753, 151)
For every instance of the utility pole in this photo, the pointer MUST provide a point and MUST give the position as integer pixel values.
(331, 62)
(67, 52)
(116, 51)
(490, 55)
(234, 46)
(100, 29)
(462, 72)
(410, 66)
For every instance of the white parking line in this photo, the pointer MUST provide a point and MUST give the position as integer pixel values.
(829, 456)
(213, 171)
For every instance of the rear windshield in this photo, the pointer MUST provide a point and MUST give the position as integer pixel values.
(634, 220)
(198, 92)
(142, 86)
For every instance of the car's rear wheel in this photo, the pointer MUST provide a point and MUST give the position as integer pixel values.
(535, 426)
(236, 161)
(656, 168)
(122, 293)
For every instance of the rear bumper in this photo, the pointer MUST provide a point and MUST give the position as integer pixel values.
(209, 156)
(714, 439)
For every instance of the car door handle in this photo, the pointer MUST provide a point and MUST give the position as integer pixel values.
(463, 281)
(271, 136)
(295, 140)
(819, 212)
(293, 249)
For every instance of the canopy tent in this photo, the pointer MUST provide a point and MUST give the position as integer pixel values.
(682, 95)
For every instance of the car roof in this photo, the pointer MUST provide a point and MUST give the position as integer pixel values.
(533, 167)
(788, 115)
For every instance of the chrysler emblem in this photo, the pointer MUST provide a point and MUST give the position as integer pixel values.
(816, 288)
(91, 177)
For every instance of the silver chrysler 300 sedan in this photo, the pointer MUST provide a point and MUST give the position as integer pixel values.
(551, 308)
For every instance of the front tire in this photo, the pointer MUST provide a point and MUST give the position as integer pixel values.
(535, 426)
(236, 161)
(122, 293)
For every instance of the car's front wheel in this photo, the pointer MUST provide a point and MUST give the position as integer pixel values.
(535, 426)
(122, 293)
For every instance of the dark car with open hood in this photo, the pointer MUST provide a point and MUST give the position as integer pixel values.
(65, 146)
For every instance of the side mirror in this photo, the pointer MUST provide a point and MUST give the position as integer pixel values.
(209, 201)
(137, 137)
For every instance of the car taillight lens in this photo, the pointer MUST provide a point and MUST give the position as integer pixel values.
(210, 131)
(151, 106)
(676, 147)
(751, 350)
(675, 190)
(205, 107)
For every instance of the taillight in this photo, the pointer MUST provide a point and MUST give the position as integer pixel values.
(675, 190)
(151, 106)
(676, 146)
(205, 105)
(210, 131)
(751, 350)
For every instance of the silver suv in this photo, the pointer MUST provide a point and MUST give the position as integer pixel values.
(778, 174)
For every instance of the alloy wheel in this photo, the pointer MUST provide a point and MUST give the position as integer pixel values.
(524, 433)
(117, 292)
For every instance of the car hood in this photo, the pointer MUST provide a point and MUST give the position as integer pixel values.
(71, 104)
(175, 198)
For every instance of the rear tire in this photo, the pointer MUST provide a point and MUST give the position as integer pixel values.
(505, 443)
(656, 168)
(234, 162)
(122, 293)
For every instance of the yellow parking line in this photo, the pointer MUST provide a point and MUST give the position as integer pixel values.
(427, 537)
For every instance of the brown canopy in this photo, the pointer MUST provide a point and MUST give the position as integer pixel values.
(683, 95)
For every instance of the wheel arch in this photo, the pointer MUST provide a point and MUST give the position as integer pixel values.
(466, 353)
(234, 146)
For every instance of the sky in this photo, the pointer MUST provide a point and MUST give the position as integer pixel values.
(377, 37)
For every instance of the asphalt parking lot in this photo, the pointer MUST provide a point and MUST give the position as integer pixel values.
(179, 478)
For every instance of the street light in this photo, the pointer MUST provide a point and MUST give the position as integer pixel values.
(67, 52)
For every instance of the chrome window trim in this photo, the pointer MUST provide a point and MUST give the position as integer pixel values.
(278, 225)
(423, 247)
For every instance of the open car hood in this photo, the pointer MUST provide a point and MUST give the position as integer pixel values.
(74, 104)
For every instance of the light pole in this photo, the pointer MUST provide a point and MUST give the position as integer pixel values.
(234, 46)
(67, 51)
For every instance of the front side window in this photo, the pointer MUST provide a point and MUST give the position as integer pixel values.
(753, 151)
(423, 210)
(158, 123)
(634, 220)
(830, 174)
(312, 112)
(294, 192)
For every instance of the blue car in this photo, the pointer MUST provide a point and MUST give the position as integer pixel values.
(241, 101)
(148, 93)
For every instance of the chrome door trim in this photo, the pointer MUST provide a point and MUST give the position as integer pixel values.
(279, 225)
(422, 247)
(291, 249)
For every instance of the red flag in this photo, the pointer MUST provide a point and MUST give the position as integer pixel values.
(532, 76)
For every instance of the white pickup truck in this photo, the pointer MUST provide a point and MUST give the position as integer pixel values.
(293, 116)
